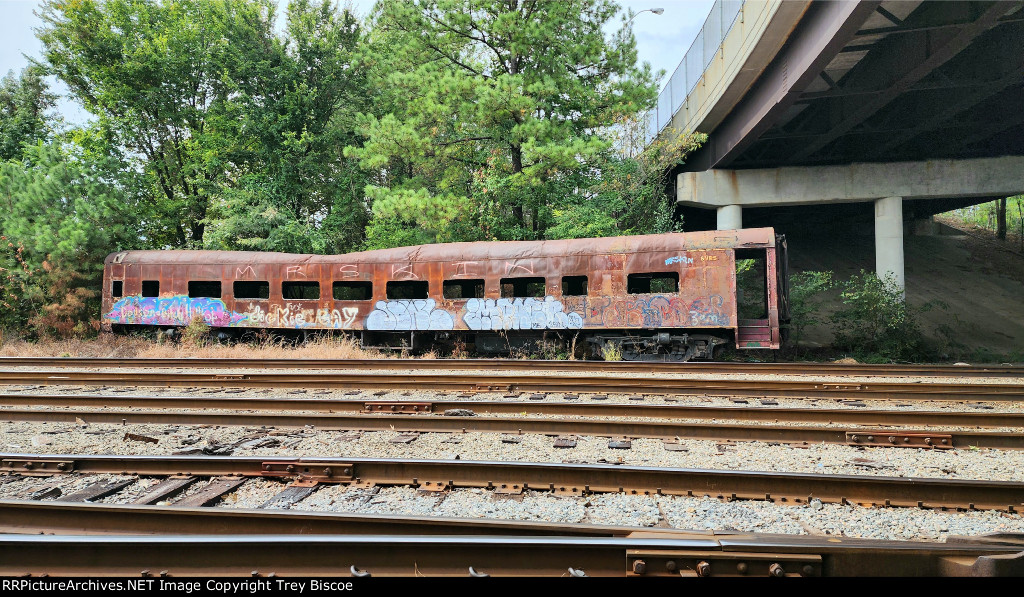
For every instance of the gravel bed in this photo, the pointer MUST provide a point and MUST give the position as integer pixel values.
(38, 443)
(252, 494)
(994, 465)
(532, 505)
(19, 488)
(129, 494)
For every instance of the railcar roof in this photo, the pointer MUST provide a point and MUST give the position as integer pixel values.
(682, 241)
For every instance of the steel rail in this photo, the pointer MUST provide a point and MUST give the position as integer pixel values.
(791, 368)
(157, 560)
(921, 438)
(746, 412)
(529, 383)
(441, 475)
(68, 518)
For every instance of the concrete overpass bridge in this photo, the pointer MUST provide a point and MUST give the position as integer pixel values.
(819, 110)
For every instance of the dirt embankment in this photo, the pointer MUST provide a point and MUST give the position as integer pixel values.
(975, 280)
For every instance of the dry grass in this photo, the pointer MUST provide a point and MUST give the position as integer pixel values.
(113, 346)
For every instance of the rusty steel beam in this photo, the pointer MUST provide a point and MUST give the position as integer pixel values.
(530, 383)
(886, 370)
(886, 436)
(743, 411)
(30, 517)
(584, 478)
(903, 72)
(263, 558)
(817, 39)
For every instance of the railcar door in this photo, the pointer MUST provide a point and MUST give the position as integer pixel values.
(754, 299)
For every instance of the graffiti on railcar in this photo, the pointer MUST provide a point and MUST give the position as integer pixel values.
(409, 314)
(516, 267)
(650, 311)
(708, 312)
(292, 316)
(462, 269)
(174, 310)
(247, 273)
(348, 271)
(682, 259)
(403, 272)
(519, 314)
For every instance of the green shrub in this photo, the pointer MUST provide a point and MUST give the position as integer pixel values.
(876, 320)
(196, 333)
(805, 290)
(610, 351)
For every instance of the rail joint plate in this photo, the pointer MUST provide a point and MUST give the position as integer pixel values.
(322, 472)
(644, 562)
(398, 408)
(35, 466)
(892, 439)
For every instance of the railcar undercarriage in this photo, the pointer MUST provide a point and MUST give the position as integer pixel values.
(676, 345)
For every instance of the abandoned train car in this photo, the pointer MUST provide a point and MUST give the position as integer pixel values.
(664, 296)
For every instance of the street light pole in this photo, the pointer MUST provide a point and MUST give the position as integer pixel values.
(656, 11)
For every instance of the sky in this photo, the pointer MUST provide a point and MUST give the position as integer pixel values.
(661, 39)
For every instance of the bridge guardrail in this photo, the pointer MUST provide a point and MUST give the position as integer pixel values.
(724, 14)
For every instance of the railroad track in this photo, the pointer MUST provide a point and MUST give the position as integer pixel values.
(529, 383)
(582, 406)
(844, 369)
(303, 475)
(157, 561)
(886, 428)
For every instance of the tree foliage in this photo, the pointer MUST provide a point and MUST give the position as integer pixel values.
(66, 212)
(496, 112)
(24, 118)
(234, 127)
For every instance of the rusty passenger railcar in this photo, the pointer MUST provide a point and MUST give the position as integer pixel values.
(664, 296)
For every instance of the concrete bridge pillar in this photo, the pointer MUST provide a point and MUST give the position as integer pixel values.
(730, 217)
(889, 239)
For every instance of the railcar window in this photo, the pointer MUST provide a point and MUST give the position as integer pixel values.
(352, 291)
(252, 290)
(300, 291)
(204, 289)
(522, 287)
(463, 289)
(409, 289)
(574, 286)
(150, 288)
(652, 283)
(117, 288)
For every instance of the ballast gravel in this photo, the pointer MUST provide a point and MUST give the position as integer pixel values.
(982, 464)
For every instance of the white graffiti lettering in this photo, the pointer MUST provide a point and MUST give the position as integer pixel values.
(248, 272)
(462, 269)
(403, 272)
(348, 271)
(519, 314)
(522, 268)
(294, 270)
(409, 314)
